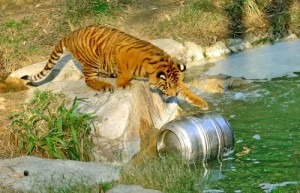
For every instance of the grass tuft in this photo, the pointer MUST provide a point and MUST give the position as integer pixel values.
(167, 174)
(48, 128)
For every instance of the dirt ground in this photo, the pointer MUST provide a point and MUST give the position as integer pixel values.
(9, 103)
(133, 20)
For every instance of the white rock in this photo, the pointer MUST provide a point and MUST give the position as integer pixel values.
(194, 51)
(195, 54)
(44, 173)
(131, 189)
(120, 116)
(66, 69)
(172, 47)
(234, 41)
(217, 50)
(217, 83)
(237, 45)
(291, 37)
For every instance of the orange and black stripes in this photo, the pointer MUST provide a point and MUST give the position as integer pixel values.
(111, 53)
(106, 51)
(54, 57)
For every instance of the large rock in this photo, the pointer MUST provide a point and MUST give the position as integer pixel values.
(195, 54)
(172, 47)
(218, 83)
(65, 69)
(55, 174)
(217, 51)
(192, 54)
(237, 45)
(123, 118)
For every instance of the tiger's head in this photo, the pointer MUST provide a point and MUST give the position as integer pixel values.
(166, 78)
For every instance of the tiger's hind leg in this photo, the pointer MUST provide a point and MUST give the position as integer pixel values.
(91, 79)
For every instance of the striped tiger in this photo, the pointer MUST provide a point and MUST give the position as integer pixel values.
(108, 52)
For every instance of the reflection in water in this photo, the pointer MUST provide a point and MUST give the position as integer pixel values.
(267, 187)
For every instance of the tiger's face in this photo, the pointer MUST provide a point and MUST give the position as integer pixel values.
(166, 79)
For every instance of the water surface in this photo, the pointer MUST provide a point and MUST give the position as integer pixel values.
(266, 123)
(265, 117)
(267, 62)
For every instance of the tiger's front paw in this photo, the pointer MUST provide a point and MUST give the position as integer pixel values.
(124, 86)
(108, 88)
(201, 104)
(100, 85)
(123, 83)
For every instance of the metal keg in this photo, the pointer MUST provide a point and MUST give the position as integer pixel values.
(196, 138)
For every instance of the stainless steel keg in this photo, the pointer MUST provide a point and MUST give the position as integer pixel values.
(196, 138)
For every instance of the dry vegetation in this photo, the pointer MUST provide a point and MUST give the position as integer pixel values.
(30, 28)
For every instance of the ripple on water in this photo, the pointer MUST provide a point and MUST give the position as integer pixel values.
(268, 188)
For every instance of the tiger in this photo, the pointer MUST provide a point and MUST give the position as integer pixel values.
(108, 52)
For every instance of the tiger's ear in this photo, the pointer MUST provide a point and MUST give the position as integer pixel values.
(161, 75)
(181, 67)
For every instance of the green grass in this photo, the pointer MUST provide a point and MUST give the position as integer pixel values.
(47, 127)
(287, 189)
(167, 174)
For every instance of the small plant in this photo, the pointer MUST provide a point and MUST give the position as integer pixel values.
(167, 174)
(47, 127)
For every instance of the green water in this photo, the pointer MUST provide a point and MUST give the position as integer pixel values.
(265, 118)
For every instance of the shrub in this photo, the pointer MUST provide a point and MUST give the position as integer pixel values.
(167, 174)
(48, 128)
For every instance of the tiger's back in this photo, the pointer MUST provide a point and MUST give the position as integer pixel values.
(108, 52)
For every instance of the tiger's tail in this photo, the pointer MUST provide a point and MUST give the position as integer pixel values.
(189, 96)
(54, 57)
